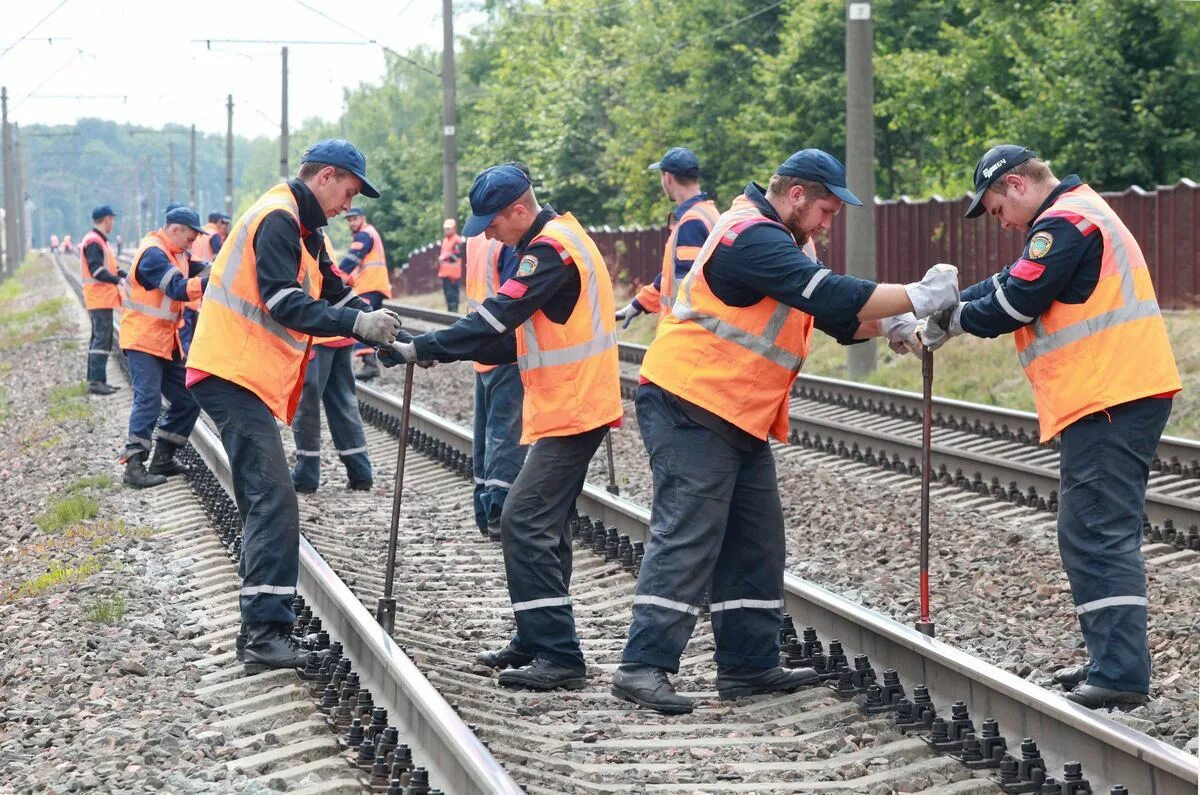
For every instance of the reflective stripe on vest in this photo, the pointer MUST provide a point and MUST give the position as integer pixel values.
(98, 294)
(534, 358)
(371, 275)
(705, 212)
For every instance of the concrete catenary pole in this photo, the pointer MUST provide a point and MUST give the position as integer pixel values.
(229, 154)
(449, 141)
(860, 162)
(283, 124)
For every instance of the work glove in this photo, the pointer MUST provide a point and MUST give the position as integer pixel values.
(901, 333)
(629, 312)
(941, 327)
(402, 351)
(937, 290)
(379, 327)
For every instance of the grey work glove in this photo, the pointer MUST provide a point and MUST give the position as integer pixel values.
(937, 290)
(942, 327)
(402, 351)
(379, 327)
(629, 312)
(901, 333)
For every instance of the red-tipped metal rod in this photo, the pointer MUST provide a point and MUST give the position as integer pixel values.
(925, 623)
(385, 610)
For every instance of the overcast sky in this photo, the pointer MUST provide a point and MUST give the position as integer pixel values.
(137, 62)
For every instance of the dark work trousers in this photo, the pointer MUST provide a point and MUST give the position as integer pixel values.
(716, 517)
(188, 329)
(450, 291)
(375, 299)
(266, 500)
(497, 453)
(155, 378)
(1104, 465)
(329, 381)
(100, 344)
(537, 545)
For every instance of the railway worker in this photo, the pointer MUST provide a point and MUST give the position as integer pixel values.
(100, 276)
(1081, 307)
(67, 245)
(329, 382)
(715, 388)
(204, 249)
(272, 287)
(161, 279)
(53, 243)
(497, 452)
(450, 259)
(694, 214)
(365, 269)
(560, 306)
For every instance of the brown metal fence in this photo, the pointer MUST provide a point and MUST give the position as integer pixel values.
(910, 236)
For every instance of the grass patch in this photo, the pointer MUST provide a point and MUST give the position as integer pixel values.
(70, 345)
(68, 403)
(55, 576)
(3, 403)
(107, 609)
(100, 482)
(67, 511)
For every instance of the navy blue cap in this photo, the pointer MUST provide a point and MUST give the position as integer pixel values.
(817, 166)
(353, 211)
(678, 160)
(990, 167)
(226, 218)
(342, 154)
(494, 189)
(186, 216)
(103, 211)
(172, 206)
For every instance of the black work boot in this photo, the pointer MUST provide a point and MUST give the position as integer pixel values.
(370, 368)
(239, 643)
(736, 682)
(271, 646)
(360, 485)
(163, 461)
(1069, 677)
(544, 675)
(504, 658)
(136, 474)
(101, 388)
(649, 686)
(1096, 697)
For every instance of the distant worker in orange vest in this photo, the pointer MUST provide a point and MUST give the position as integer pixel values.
(161, 280)
(1081, 307)
(67, 245)
(716, 387)
(100, 276)
(54, 243)
(694, 216)
(497, 453)
(365, 269)
(555, 319)
(273, 287)
(450, 263)
(204, 249)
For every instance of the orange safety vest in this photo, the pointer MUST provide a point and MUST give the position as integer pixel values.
(336, 341)
(202, 245)
(98, 294)
(570, 371)
(660, 299)
(483, 277)
(150, 318)
(737, 362)
(236, 338)
(1111, 349)
(371, 275)
(449, 266)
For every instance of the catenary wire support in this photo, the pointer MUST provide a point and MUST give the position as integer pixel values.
(385, 611)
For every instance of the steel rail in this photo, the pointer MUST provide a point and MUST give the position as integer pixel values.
(1110, 752)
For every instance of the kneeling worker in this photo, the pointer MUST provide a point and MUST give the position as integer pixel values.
(560, 306)
(272, 287)
(716, 383)
(1081, 308)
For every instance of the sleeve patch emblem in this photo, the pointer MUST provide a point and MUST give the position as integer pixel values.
(1039, 245)
(527, 265)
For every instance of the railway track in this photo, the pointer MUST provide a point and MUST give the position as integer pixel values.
(977, 448)
(476, 737)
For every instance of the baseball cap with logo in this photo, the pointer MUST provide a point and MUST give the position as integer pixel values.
(991, 167)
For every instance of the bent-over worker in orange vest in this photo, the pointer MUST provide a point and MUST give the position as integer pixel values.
(716, 384)
(691, 221)
(100, 276)
(161, 279)
(450, 263)
(272, 287)
(364, 268)
(555, 319)
(1081, 307)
